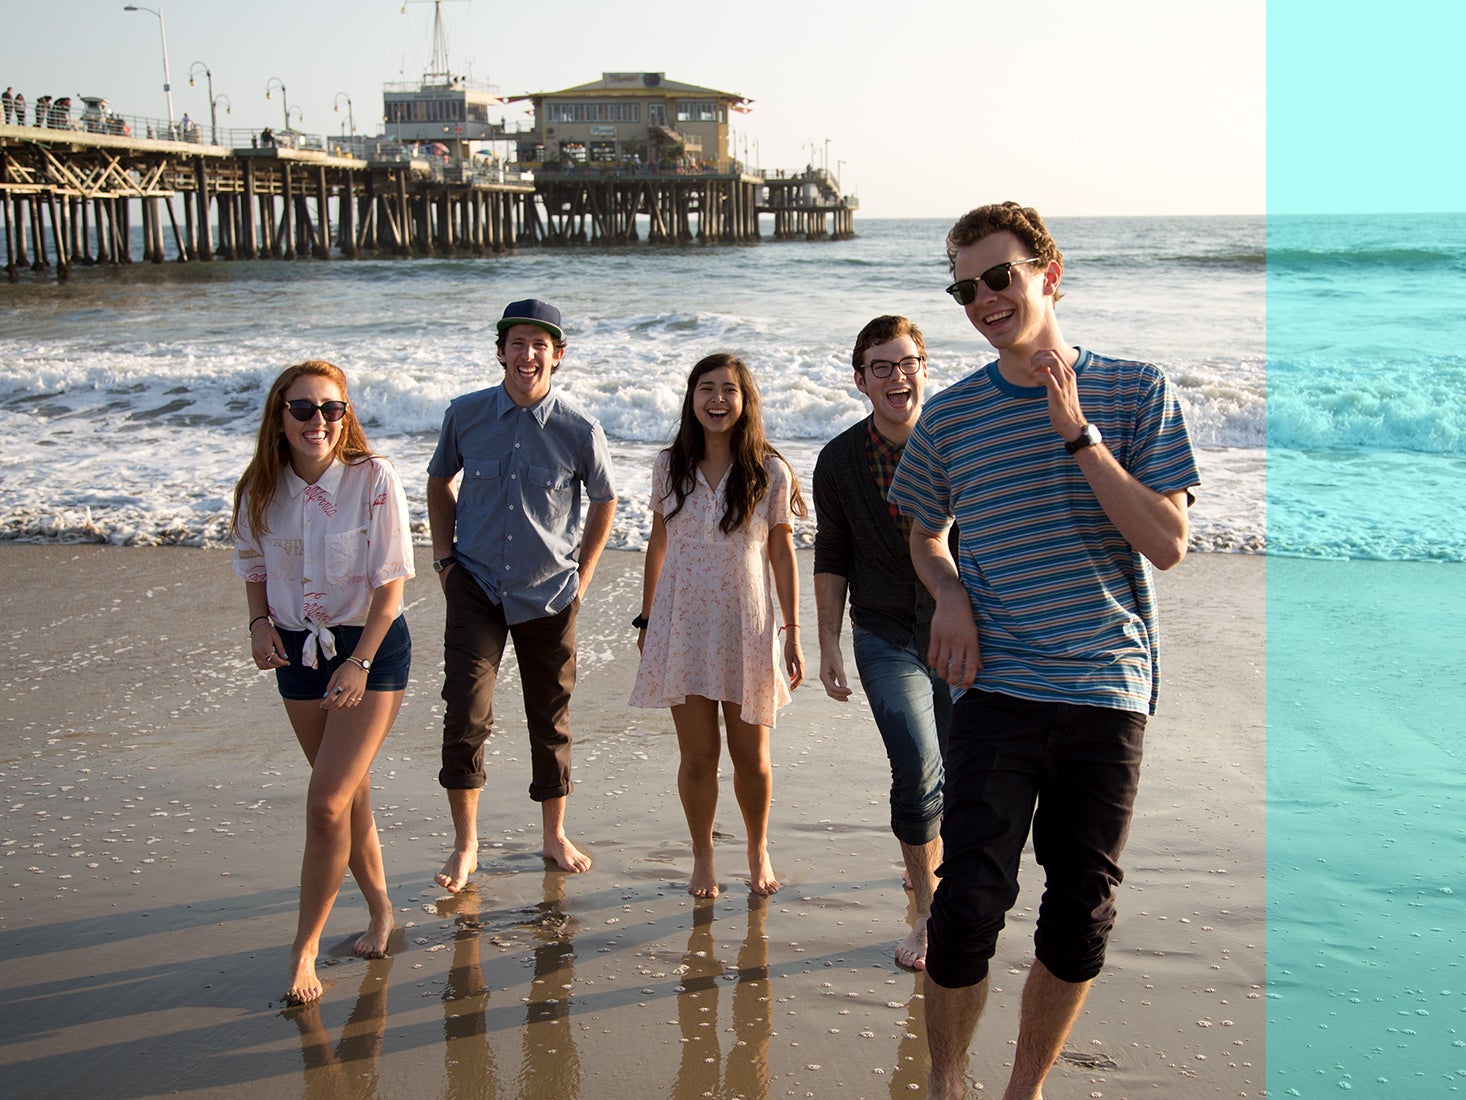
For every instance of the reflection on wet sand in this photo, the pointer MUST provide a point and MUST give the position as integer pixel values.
(551, 1064)
(745, 1071)
(468, 1058)
(350, 1067)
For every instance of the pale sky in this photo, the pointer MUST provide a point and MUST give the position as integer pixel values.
(1074, 106)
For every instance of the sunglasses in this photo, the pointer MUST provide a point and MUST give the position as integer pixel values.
(997, 278)
(303, 410)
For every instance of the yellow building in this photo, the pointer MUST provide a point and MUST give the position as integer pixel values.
(631, 120)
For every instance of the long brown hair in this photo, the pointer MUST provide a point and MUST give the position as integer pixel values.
(272, 452)
(748, 481)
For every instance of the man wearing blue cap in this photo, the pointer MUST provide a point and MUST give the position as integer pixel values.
(514, 560)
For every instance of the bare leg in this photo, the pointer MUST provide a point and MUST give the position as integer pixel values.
(1050, 1007)
(753, 786)
(371, 877)
(700, 744)
(341, 745)
(921, 870)
(464, 861)
(951, 1019)
(557, 847)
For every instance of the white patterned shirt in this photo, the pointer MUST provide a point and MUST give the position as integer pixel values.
(328, 546)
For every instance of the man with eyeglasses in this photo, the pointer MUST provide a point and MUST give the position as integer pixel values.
(514, 561)
(861, 551)
(1069, 475)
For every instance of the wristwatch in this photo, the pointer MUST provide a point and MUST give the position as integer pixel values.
(640, 622)
(364, 662)
(1089, 435)
(443, 563)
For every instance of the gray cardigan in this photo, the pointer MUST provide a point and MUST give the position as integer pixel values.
(857, 539)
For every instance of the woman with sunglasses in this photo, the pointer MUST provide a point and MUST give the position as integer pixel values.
(322, 544)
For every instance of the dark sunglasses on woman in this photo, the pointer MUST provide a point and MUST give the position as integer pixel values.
(303, 410)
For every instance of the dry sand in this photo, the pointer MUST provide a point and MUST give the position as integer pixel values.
(152, 799)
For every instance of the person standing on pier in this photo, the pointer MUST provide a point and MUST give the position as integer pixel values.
(515, 561)
(1069, 476)
(20, 108)
(861, 549)
(9, 98)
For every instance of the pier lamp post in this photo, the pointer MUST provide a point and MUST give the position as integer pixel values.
(213, 110)
(213, 117)
(350, 118)
(162, 33)
(826, 165)
(284, 108)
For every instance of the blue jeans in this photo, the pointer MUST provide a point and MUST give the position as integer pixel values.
(913, 711)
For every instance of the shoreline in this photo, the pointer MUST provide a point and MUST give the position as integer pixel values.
(153, 815)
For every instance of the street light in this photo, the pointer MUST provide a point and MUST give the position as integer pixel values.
(213, 116)
(826, 165)
(350, 118)
(213, 109)
(284, 107)
(163, 33)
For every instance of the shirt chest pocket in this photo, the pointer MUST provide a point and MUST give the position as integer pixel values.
(548, 493)
(346, 557)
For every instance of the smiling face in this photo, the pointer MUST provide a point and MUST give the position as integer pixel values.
(717, 401)
(896, 399)
(314, 442)
(1019, 318)
(529, 358)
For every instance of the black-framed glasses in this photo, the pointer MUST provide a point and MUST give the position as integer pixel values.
(303, 410)
(997, 278)
(882, 368)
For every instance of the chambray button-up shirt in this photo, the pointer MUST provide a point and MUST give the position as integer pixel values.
(519, 519)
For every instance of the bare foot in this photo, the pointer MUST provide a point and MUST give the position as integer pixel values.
(704, 882)
(372, 944)
(566, 855)
(458, 870)
(303, 986)
(761, 878)
(911, 952)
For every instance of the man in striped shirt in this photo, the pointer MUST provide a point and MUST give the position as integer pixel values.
(1068, 475)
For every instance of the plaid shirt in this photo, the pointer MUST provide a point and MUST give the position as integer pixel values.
(884, 456)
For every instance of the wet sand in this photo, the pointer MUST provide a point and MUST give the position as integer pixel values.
(152, 799)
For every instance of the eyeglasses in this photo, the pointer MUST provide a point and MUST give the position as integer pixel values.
(882, 368)
(303, 410)
(997, 278)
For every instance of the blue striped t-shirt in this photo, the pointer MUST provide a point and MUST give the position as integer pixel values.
(1065, 607)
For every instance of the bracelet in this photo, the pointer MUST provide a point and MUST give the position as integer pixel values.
(788, 626)
(256, 619)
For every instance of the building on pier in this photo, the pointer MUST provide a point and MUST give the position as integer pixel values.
(631, 119)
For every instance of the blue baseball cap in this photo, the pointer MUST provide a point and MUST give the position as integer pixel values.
(532, 311)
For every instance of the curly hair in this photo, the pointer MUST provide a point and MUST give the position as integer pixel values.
(272, 453)
(1022, 221)
(748, 481)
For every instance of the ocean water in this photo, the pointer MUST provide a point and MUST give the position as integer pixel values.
(1366, 384)
(129, 397)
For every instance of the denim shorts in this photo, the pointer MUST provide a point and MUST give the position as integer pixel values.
(388, 672)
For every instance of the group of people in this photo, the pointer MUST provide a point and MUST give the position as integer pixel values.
(994, 545)
(54, 112)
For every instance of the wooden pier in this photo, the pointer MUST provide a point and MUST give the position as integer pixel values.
(205, 202)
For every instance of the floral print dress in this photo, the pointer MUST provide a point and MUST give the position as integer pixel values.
(711, 630)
